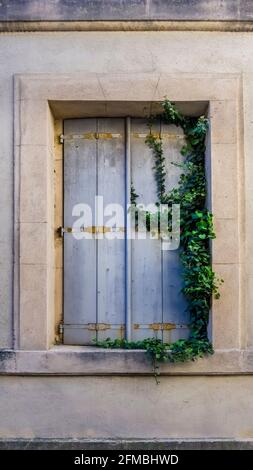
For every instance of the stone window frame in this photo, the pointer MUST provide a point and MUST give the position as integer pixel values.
(34, 233)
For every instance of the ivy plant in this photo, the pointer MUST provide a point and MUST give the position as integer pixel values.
(200, 283)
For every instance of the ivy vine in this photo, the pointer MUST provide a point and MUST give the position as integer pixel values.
(196, 231)
(134, 196)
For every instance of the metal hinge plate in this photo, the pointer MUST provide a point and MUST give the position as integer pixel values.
(110, 326)
(94, 326)
(159, 326)
(158, 135)
(89, 136)
(93, 229)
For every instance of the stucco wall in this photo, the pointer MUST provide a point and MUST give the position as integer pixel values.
(126, 407)
(92, 52)
(118, 407)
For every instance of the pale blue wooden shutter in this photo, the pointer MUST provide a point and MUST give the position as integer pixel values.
(95, 280)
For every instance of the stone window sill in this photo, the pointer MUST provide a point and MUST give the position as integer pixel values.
(82, 360)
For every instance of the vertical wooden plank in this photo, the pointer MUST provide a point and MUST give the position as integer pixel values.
(146, 254)
(111, 248)
(79, 255)
(174, 304)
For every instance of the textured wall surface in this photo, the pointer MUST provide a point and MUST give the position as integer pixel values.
(126, 9)
(104, 407)
(154, 52)
(86, 407)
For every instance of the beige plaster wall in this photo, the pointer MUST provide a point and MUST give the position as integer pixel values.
(195, 406)
(118, 407)
(165, 52)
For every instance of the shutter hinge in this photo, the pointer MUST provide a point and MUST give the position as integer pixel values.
(159, 326)
(89, 136)
(60, 328)
(92, 326)
(93, 229)
(99, 326)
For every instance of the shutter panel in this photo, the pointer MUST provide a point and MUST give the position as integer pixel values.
(146, 254)
(174, 303)
(111, 252)
(95, 269)
(79, 255)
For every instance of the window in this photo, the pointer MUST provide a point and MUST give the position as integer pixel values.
(100, 299)
(52, 98)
